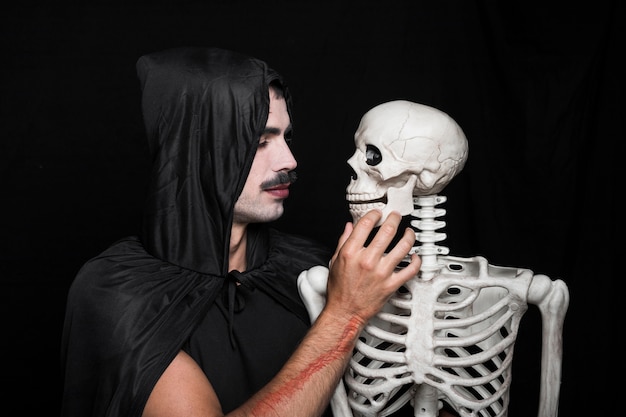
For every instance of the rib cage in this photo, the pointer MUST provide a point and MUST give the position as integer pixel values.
(448, 334)
(454, 332)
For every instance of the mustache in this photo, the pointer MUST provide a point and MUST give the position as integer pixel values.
(281, 178)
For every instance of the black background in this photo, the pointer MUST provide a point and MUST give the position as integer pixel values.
(537, 88)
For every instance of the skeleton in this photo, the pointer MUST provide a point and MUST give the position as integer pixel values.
(449, 333)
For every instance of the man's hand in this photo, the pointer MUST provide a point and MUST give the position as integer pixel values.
(361, 278)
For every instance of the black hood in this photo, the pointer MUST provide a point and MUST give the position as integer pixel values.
(204, 109)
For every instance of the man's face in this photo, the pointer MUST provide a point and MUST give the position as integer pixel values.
(262, 197)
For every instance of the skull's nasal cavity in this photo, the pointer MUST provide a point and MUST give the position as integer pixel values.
(353, 174)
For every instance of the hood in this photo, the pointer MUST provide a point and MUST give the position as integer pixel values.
(204, 110)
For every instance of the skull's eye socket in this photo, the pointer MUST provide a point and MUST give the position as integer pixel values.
(372, 155)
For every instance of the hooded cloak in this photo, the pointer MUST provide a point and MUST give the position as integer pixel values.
(131, 309)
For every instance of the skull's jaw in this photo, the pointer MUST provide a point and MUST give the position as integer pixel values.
(398, 199)
(358, 209)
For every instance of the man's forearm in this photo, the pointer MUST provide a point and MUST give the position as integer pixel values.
(306, 383)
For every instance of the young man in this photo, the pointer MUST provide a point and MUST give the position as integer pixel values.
(200, 315)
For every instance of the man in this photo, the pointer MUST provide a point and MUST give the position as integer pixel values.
(200, 315)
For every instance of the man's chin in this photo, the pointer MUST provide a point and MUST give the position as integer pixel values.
(262, 217)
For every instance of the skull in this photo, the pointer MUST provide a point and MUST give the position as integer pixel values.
(403, 149)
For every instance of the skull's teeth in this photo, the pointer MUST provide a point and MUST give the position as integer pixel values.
(366, 198)
(363, 207)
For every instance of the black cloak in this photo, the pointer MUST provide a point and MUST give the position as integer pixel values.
(131, 309)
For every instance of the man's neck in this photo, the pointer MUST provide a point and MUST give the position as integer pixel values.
(237, 249)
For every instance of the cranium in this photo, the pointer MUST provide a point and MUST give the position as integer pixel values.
(403, 149)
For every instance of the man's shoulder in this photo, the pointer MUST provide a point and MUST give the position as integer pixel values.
(124, 260)
(125, 249)
(296, 240)
(302, 247)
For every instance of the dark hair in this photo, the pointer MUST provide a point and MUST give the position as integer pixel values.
(278, 88)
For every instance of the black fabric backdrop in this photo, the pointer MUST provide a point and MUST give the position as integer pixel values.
(536, 87)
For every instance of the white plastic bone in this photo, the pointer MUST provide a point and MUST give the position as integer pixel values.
(402, 149)
(312, 288)
(449, 333)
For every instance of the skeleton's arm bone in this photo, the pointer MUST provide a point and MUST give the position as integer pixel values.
(552, 299)
(312, 287)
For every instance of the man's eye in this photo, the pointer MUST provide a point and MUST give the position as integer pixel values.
(263, 142)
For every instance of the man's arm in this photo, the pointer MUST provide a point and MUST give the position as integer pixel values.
(360, 281)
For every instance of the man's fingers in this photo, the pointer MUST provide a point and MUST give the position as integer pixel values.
(363, 228)
(386, 232)
(407, 272)
(402, 248)
(345, 235)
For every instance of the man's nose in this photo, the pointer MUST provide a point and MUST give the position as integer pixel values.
(287, 160)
